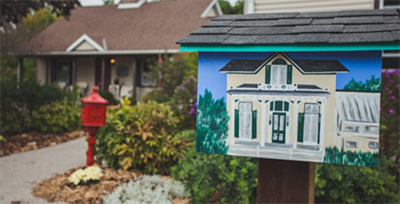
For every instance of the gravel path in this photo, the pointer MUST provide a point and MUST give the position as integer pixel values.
(19, 171)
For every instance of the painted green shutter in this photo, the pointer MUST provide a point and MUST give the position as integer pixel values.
(319, 126)
(267, 74)
(237, 123)
(289, 74)
(254, 125)
(300, 127)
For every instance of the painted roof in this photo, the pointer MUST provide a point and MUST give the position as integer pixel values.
(152, 26)
(306, 66)
(358, 106)
(327, 28)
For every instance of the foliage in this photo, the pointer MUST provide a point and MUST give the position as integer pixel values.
(218, 178)
(335, 156)
(185, 103)
(57, 117)
(390, 120)
(174, 71)
(212, 125)
(354, 184)
(31, 92)
(15, 11)
(15, 117)
(149, 189)
(108, 96)
(108, 2)
(227, 8)
(142, 137)
(373, 84)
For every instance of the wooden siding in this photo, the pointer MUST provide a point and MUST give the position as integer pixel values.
(275, 6)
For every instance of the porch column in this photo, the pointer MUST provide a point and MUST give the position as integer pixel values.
(322, 130)
(263, 122)
(47, 70)
(103, 73)
(295, 122)
(269, 134)
(73, 77)
(20, 70)
(232, 120)
(134, 79)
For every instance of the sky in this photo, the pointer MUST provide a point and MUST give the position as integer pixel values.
(100, 2)
(361, 66)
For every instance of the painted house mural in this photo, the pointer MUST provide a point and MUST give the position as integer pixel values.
(295, 105)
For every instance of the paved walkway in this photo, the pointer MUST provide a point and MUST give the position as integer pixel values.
(19, 171)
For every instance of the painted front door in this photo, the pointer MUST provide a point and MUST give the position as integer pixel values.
(278, 127)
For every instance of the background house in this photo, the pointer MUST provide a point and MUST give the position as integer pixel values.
(98, 44)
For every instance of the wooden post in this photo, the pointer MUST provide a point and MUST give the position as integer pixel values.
(103, 74)
(20, 70)
(281, 181)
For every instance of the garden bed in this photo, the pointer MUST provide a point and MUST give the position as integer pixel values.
(35, 140)
(59, 189)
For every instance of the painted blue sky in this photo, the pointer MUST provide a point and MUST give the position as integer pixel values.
(362, 66)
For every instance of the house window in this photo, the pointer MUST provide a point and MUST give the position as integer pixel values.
(147, 78)
(309, 124)
(279, 73)
(245, 121)
(61, 70)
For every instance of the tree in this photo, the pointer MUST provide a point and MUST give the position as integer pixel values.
(227, 8)
(14, 11)
(373, 84)
(212, 125)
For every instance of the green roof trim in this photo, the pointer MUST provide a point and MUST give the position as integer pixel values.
(288, 48)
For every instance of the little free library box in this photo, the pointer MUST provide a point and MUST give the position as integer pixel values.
(293, 86)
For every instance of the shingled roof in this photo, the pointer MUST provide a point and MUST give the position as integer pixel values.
(153, 26)
(358, 26)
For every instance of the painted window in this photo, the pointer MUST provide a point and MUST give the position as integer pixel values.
(309, 124)
(245, 121)
(279, 73)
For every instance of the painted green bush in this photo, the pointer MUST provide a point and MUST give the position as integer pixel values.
(212, 125)
(355, 184)
(373, 84)
(212, 178)
(335, 156)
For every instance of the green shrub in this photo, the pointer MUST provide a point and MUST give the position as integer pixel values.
(15, 117)
(212, 125)
(335, 156)
(218, 178)
(355, 184)
(149, 189)
(108, 96)
(184, 103)
(141, 137)
(31, 92)
(57, 117)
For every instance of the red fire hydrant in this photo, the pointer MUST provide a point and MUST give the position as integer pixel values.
(93, 116)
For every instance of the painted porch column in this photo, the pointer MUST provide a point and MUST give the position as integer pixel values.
(232, 141)
(263, 123)
(269, 129)
(134, 78)
(103, 73)
(322, 130)
(295, 122)
(20, 70)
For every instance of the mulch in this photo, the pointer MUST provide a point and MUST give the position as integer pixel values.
(59, 189)
(35, 140)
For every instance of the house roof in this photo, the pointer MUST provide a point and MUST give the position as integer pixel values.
(306, 66)
(343, 27)
(152, 26)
